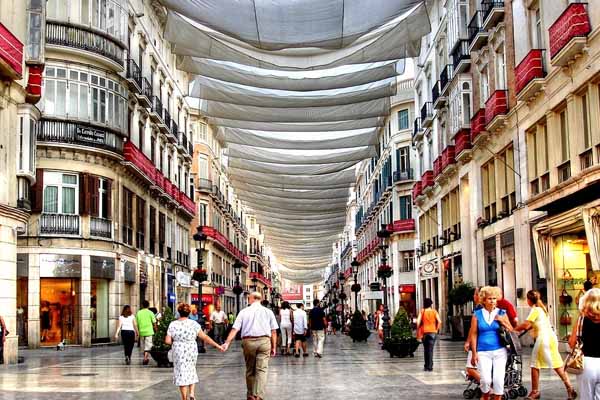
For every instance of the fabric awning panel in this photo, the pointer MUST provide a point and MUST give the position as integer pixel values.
(315, 157)
(303, 127)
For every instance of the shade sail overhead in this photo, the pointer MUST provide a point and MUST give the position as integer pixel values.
(293, 140)
(299, 92)
(395, 40)
(218, 90)
(334, 78)
(276, 25)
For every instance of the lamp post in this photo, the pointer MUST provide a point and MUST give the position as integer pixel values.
(356, 287)
(200, 273)
(343, 297)
(384, 272)
(237, 289)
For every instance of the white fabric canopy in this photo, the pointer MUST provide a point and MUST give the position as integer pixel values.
(316, 157)
(344, 178)
(279, 140)
(365, 109)
(290, 169)
(304, 127)
(334, 78)
(275, 25)
(300, 217)
(222, 91)
(294, 194)
(398, 39)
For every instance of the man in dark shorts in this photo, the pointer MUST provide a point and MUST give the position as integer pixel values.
(300, 331)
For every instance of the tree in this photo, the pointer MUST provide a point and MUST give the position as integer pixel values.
(460, 295)
(158, 342)
(401, 329)
(358, 327)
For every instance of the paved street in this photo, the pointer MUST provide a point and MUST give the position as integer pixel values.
(348, 371)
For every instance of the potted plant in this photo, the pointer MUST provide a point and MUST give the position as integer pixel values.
(459, 296)
(402, 343)
(160, 350)
(358, 328)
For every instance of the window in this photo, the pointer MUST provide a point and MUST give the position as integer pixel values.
(104, 196)
(405, 208)
(87, 95)
(203, 167)
(153, 149)
(140, 223)
(537, 158)
(488, 181)
(484, 89)
(451, 216)
(505, 168)
(564, 135)
(202, 215)
(152, 233)
(403, 159)
(127, 218)
(141, 135)
(500, 69)
(161, 234)
(61, 193)
(587, 130)
(536, 28)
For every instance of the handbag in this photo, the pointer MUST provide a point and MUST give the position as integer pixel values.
(565, 298)
(565, 318)
(504, 336)
(574, 361)
(421, 328)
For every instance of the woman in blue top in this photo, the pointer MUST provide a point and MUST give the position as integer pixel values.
(488, 353)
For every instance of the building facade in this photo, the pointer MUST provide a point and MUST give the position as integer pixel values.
(506, 139)
(112, 202)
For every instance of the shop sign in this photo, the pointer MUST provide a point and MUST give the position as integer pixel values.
(372, 295)
(102, 267)
(184, 279)
(60, 266)
(88, 135)
(22, 265)
(206, 298)
(143, 273)
(129, 272)
(407, 289)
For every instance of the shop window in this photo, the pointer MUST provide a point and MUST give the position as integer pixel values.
(489, 254)
(61, 193)
(59, 311)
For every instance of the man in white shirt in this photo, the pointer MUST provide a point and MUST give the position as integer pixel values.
(218, 320)
(258, 328)
(300, 331)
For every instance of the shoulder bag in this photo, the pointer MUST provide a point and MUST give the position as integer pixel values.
(574, 361)
(421, 327)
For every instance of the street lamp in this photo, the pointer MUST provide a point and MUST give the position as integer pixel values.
(237, 289)
(343, 297)
(356, 287)
(384, 272)
(200, 273)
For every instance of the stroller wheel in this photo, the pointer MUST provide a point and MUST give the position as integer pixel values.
(522, 391)
(469, 394)
(513, 394)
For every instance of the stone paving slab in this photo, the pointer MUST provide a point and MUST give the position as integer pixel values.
(347, 371)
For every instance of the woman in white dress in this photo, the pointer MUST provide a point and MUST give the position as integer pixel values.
(182, 334)
(287, 319)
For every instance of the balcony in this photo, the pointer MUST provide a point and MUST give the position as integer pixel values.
(164, 125)
(134, 76)
(478, 36)
(427, 115)
(439, 101)
(462, 141)
(448, 158)
(427, 180)
(417, 130)
(530, 74)
(445, 78)
(136, 159)
(11, 55)
(403, 176)
(402, 226)
(81, 38)
(156, 110)
(496, 108)
(478, 126)
(59, 224)
(493, 12)
(461, 57)
(568, 34)
(101, 227)
(224, 243)
(184, 147)
(173, 132)
(187, 204)
(70, 133)
(145, 95)
(437, 167)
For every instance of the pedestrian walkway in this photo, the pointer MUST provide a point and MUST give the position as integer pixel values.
(347, 371)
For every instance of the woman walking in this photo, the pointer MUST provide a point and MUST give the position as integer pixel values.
(429, 321)
(287, 321)
(589, 321)
(182, 334)
(545, 351)
(129, 332)
(488, 352)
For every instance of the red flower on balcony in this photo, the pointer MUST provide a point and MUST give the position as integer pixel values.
(530, 68)
(573, 22)
(496, 105)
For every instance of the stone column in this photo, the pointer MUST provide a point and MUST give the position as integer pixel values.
(84, 302)
(33, 302)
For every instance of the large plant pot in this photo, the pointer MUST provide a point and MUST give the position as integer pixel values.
(456, 328)
(359, 334)
(401, 348)
(161, 357)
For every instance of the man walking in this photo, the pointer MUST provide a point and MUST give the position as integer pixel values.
(146, 322)
(317, 324)
(300, 331)
(258, 329)
(218, 320)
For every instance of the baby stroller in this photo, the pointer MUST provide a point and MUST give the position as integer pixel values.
(513, 377)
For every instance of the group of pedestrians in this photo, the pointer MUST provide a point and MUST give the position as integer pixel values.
(142, 326)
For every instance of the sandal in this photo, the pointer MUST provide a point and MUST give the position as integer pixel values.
(533, 395)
